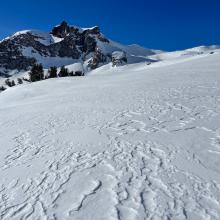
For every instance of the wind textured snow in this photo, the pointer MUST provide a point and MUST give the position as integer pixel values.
(135, 142)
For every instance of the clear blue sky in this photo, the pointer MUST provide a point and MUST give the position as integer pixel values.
(159, 24)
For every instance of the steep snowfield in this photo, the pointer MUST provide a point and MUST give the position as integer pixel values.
(135, 142)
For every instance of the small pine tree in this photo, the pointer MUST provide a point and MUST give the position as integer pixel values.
(36, 73)
(63, 72)
(52, 72)
(2, 88)
(13, 83)
(9, 83)
(20, 81)
(79, 73)
(71, 73)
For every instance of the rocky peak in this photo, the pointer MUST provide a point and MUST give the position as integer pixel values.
(62, 30)
(64, 45)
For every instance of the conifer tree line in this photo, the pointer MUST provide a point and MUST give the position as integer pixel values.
(37, 74)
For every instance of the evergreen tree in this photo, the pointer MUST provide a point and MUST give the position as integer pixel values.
(20, 81)
(13, 83)
(9, 83)
(52, 72)
(79, 73)
(63, 72)
(71, 73)
(2, 88)
(36, 73)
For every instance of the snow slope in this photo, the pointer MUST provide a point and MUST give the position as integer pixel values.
(182, 54)
(136, 142)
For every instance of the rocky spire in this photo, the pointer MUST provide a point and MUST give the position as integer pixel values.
(61, 30)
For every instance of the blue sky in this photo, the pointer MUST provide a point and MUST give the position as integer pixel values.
(159, 24)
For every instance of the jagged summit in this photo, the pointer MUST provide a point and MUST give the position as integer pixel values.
(64, 45)
(64, 29)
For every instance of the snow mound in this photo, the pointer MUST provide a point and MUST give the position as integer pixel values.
(182, 54)
(118, 55)
(76, 67)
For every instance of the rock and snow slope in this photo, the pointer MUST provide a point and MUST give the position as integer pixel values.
(64, 45)
(140, 142)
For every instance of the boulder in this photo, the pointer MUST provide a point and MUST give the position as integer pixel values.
(119, 58)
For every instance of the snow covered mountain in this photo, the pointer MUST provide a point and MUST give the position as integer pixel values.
(136, 142)
(126, 142)
(65, 45)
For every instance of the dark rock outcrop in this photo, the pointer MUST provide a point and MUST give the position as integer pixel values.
(11, 56)
(97, 58)
(119, 58)
(62, 30)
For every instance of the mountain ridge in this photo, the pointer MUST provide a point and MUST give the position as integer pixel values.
(64, 45)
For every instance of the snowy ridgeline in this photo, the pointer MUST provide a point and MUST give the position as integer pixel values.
(65, 45)
(119, 58)
(133, 142)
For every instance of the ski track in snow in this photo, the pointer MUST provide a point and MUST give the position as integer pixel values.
(157, 157)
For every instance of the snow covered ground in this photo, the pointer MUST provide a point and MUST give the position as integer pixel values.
(135, 142)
